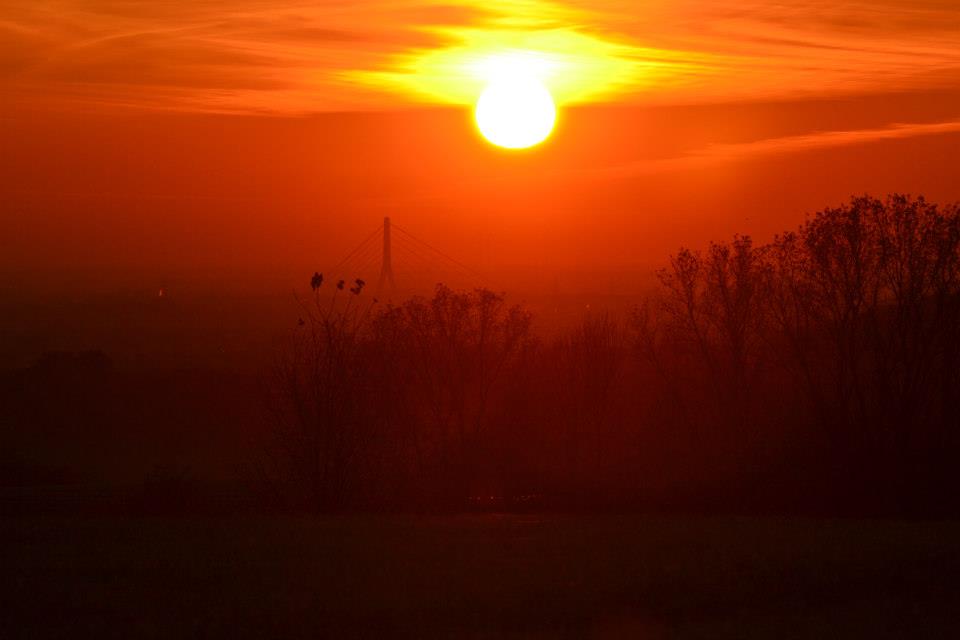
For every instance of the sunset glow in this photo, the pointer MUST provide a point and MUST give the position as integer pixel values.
(575, 67)
(515, 110)
(257, 56)
(472, 318)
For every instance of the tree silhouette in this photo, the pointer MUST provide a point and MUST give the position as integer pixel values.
(824, 365)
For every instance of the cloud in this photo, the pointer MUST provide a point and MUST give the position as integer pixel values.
(717, 154)
(776, 49)
(267, 56)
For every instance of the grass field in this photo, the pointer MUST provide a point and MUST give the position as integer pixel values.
(484, 576)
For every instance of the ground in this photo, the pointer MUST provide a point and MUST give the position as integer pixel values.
(483, 576)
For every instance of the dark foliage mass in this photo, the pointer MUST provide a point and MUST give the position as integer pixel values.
(387, 405)
(819, 371)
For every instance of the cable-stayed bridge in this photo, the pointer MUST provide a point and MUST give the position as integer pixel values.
(393, 261)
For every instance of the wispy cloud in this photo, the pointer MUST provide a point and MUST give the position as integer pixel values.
(299, 57)
(717, 154)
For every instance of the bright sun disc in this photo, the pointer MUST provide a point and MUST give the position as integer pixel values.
(515, 112)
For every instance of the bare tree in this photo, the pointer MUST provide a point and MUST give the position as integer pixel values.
(590, 363)
(459, 346)
(710, 313)
(320, 399)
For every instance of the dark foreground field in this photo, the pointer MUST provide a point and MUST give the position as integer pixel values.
(484, 576)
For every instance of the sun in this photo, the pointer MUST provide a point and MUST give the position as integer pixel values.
(515, 111)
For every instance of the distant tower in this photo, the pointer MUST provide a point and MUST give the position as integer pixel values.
(386, 268)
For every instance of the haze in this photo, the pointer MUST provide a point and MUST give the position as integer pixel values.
(244, 144)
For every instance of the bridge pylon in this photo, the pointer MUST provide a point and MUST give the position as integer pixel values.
(386, 263)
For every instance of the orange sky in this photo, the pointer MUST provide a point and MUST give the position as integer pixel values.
(212, 135)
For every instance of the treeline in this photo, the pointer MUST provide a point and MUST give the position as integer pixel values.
(818, 372)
